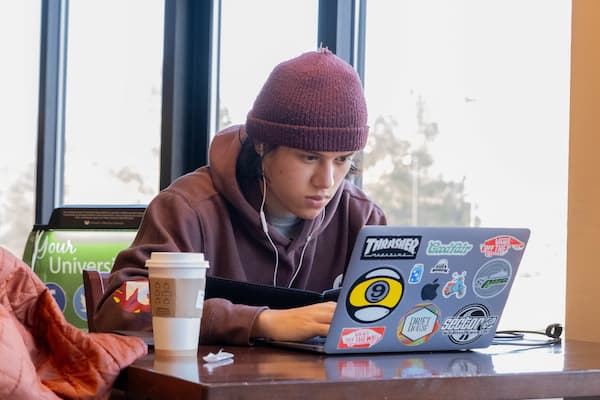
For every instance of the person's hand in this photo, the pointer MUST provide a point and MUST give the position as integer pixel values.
(296, 324)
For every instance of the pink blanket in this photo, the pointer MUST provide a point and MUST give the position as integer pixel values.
(42, 356)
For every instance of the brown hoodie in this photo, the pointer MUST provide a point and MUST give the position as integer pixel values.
(207, 211)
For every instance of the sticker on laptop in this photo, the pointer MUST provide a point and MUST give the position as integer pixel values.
(416, 273)
(429, 290)
(491, 278)
(360, 338)
(454, 248)
(441, 267)
(386, 247)
(500, 245)
(418, 324)
(468, 324)
(456, 286)
(374, 295)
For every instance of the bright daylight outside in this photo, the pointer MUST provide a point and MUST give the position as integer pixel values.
(469, 107)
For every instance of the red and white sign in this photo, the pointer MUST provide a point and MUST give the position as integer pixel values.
(360, 338)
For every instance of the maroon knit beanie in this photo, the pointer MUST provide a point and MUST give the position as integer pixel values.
(311, 102)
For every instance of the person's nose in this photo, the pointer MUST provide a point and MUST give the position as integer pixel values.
(324, 176)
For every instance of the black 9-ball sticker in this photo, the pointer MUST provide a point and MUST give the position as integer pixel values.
(375, 294)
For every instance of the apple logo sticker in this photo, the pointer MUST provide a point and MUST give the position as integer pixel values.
(429, 291)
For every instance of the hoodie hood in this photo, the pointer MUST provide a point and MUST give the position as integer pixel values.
(245, 197)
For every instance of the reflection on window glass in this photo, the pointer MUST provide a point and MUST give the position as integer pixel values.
(20, 44)
(113, 101)
(253, 41)
(468, 108)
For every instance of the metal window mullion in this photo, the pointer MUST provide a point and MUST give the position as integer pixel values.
(342, 30)
(51, 108)
(186, 100)
(336, 27)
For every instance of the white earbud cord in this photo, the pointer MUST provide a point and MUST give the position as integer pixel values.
(263, 222)
(308, 239)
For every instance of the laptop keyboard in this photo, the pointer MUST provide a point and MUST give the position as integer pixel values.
(317, 340)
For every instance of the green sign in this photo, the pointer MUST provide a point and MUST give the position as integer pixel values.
(59, 256)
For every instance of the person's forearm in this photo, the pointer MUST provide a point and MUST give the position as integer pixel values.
(224, 322)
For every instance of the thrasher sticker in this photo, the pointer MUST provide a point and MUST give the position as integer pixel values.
(390, 247)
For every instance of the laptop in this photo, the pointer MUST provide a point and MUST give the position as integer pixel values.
(410, 289)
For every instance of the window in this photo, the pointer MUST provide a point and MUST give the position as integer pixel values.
(113, 101)
(255, 36)
(20, 43)
(462, 97)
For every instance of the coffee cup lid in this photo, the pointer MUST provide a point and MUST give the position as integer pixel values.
(162, 259)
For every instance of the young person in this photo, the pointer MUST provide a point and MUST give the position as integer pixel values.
(272, 207)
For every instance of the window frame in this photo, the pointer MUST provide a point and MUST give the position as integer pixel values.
(189, 83)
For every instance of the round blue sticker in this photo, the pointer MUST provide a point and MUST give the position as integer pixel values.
(79, 303)
(58, 293)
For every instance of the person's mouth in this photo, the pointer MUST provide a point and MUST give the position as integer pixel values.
(317, 201)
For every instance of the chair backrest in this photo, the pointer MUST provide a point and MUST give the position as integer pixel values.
(94, 284)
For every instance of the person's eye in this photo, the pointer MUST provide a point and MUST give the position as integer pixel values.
(344, 159)
(309, 157)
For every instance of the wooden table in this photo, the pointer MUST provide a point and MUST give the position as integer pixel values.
(499, 372)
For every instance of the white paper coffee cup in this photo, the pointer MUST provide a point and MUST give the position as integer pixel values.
(177, 282)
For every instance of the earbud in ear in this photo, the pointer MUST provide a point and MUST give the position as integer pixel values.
(260, 150)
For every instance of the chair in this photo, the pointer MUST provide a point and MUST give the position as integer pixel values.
(94, 283)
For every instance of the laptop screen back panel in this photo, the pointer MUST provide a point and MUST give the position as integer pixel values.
(412, 289)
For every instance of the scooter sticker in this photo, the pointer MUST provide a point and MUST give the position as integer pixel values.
(456, 286)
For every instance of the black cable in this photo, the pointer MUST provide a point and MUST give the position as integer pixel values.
(518, 337)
